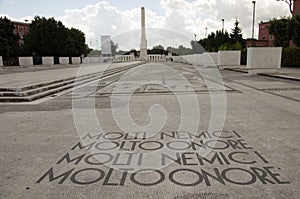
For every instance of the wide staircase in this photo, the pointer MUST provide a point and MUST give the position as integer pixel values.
(38, 91)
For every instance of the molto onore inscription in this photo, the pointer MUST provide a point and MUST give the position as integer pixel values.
(230, 158)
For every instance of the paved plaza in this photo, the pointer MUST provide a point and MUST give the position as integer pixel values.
(156, 130)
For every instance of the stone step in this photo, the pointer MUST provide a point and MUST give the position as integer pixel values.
(38, 89)
(35, 96)
(30, 87)
(34, 92)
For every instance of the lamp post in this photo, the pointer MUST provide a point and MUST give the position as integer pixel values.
(223, 20)
(253, 20)
(205, 32)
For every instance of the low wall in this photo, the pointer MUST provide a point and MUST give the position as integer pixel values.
(1, 61)
(64, 60)
(188, 59)
(48, 60)
(25, 61)
(261, 60)
(229, 58)
(210, 59)
(196, 59)
(76, 60)
(178, 59)
(156, 58)
(125, 58)
(91, 60)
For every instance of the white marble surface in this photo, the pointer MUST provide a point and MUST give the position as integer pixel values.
(264, 58)
(48, 60)
(25, 61)
(229, 58)
(64, 60)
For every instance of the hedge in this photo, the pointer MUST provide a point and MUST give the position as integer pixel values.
(244, 56)
(291, 57)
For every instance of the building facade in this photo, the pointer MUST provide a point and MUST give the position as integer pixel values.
(296, 9)
(264, 37)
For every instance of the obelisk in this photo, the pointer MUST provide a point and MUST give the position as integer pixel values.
(143, 50)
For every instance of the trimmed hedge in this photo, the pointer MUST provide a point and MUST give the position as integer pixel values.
(244, 56)
(37, 60)
(291, 57)
(56, 60)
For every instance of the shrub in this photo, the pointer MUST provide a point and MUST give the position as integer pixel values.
(56, 60)
(244, 56)
(291, 57)
(37, 60)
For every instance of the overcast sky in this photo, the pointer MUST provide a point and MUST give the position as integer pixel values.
(177, 20)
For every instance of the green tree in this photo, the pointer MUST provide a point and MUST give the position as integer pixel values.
(196, 47)
(296, 32)
(209, 43)
(238, 46)
(77, 42)
(95, 53)
(9, 46)
(283, 30)
(48, 37)
(159, 47)
(215, 41)
(45, 37)
(159, 50)
(236, 36)
(121, 52)
(114, 48)
(181, 50)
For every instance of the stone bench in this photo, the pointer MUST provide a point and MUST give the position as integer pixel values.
(227, 59)
(1, 61)
(48, 60)
(76, 60)
(210, 59)
(64, 60)
(25, 61)
(263, 60)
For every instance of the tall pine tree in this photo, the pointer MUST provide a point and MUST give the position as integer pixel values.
(236, 35)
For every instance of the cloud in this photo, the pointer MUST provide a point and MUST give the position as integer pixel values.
(104, 19)
(184, 17)
(179, 16)
(243, 10)
(22, 19)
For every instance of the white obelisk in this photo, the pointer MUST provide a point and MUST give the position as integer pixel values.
(143, 50)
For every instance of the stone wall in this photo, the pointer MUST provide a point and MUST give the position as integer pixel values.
(92, 60)
(156, 58)
(210, 59)
(196, 59)
(48, 60)
(229, 58)
(188, 59)
(76, 60)
(125, 58)
(25, 61)
(260, 60)
(64, 60)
